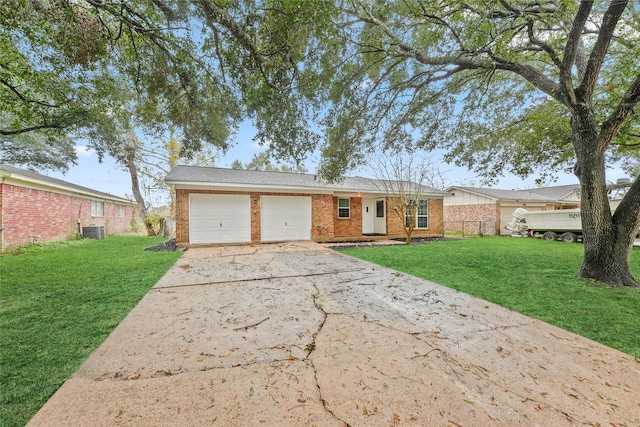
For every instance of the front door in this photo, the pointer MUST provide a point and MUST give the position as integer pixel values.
(368, 216)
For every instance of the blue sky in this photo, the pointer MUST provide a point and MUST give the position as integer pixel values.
(110, 178)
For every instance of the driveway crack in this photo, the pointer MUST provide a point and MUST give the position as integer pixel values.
(311, 347)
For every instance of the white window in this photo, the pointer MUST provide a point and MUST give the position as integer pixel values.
(422, 216)
(121, 211)
(97, 208)
(344, 208)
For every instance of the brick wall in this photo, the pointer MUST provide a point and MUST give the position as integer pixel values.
(321, 213)
(460, 216)
(324, 216)
(28, 212)
(352, 226)
(395, 226)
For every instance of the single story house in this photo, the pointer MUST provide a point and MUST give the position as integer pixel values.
(215, 205)
(37, 208)
(488, 210)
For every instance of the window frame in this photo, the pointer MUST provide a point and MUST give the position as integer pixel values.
(97, 208)
(121, 211)
(423, 203)
(343, 209)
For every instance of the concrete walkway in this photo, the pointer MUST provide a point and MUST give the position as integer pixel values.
(296, 334)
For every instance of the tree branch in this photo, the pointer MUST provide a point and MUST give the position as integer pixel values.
(609, 22)
(24, 98)
(624, 109)
(35, 128)
(571, 48)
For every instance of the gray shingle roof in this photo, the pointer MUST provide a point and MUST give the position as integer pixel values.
(58, 182)
(544, 194)
(194, 175)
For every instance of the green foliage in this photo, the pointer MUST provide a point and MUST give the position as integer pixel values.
(96, 70)
(57, 304)
(534, 277)
(480, 80)
(153, 224)
(261, 162)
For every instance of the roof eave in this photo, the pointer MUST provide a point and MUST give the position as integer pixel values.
(42, 184)
(282, 188)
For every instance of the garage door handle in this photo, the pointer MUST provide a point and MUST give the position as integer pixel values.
(220, 224)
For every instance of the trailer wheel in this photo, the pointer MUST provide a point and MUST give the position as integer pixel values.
(550, 235)
(569, 238)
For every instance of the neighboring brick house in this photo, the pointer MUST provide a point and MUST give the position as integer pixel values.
(37, 208)
(487, 211)
(215, 205)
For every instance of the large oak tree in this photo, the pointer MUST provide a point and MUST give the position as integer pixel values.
(515, 85)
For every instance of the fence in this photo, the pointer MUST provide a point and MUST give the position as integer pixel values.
(471, 228)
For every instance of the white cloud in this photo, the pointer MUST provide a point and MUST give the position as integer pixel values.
(83, 151)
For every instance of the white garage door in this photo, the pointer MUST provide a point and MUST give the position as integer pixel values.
(285, 218)
(219, 218)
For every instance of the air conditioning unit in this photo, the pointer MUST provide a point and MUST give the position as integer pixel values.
(93, 232)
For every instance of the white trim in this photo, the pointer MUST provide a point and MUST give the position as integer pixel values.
(11, 178)
(348, 199)
(264, 188)
(419, 216)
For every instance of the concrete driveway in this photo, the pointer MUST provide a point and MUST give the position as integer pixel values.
(296, 334)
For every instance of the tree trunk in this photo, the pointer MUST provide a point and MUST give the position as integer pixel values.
(137, 194)
(607, 242)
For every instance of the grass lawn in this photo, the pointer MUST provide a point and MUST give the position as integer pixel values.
(57, 304)
(534, 277)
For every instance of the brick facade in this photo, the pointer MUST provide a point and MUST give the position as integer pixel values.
(395, 227)
(32, 214)
(352, 226)
(325, 224)
(461, 217)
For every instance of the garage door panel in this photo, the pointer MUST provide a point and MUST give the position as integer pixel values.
(285, 218)
(218, 218)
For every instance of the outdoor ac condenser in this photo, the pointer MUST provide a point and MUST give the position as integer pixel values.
(93, 232)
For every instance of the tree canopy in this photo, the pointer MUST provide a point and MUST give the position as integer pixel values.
(492, 83)
(513, 86)
(95, 69)
(262, 162)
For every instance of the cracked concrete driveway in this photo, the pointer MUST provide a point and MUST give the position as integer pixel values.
(296, 334)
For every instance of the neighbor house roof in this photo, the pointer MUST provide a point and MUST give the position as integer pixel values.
(189, 176)
(11, 174)
(543, 194)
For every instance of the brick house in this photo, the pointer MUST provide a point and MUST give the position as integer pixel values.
(215, 206)
(37, 208)
(487, 210)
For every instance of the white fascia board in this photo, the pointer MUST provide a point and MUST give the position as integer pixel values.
(36, 184)
(256, 188)
(182, 185)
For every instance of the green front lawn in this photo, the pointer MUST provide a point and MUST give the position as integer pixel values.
(534, 277)
(58, 303)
